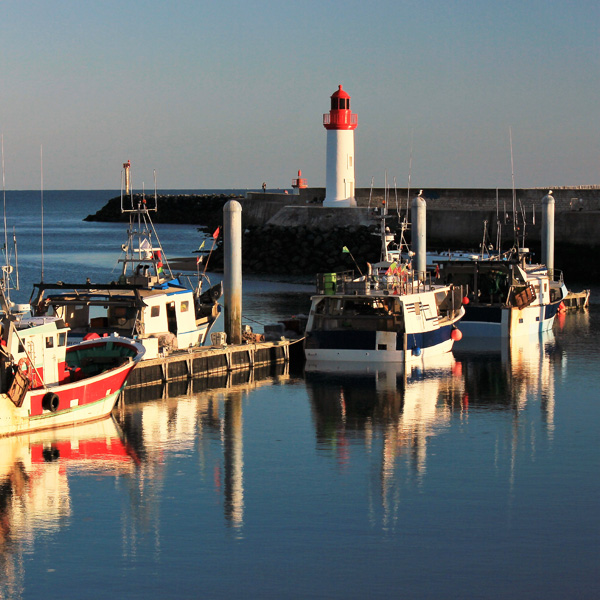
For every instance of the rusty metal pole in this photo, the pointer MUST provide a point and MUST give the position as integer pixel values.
(232, 253)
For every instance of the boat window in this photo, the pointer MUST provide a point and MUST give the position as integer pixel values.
(185, 306)
(62, 339)
(21, 348)
(50, 342)
(155, 311)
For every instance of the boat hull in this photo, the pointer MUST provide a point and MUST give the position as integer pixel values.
(378, 346)
(496, 321)
(76, 402)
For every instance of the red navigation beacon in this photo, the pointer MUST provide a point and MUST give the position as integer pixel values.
(299, 182)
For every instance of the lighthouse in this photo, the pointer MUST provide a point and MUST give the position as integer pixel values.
(340, 124)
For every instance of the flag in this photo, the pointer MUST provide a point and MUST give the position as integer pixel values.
(345, 250)
(216, 233)
(392, 268)
(202, 245)
(199, 259)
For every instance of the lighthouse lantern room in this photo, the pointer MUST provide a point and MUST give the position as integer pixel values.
(340, 124)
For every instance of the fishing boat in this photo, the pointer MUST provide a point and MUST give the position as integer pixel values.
(508, 294)
(147, 302)
(507, 297)
(390, 314)
(45, 383)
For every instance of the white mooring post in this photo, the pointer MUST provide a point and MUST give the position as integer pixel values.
(548, 232)
(419, 235)
(232, 253)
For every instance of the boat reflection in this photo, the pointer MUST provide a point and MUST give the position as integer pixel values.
(134, 445)
(35, 495)
(510, 374)
(395, 415)
(405, 406)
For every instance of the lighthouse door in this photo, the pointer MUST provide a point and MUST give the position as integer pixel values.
(349, 188)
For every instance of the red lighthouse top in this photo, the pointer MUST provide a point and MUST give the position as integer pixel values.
(339, 116)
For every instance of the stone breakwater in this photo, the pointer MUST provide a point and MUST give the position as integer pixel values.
(265, 248)
(199, 209)
(294, 234)
(303, 251)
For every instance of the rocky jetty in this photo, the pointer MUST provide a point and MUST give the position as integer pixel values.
(200, 209)
(302, 251)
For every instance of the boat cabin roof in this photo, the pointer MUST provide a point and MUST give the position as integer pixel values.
(107, 295)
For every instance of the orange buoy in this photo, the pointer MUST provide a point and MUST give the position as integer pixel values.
(456, 335)
(465, 300)
(92, 335)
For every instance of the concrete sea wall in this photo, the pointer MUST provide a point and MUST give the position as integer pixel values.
(294, 234)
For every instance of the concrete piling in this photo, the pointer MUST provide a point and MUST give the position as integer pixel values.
(232, 280)
(548, 205)
(419, 237)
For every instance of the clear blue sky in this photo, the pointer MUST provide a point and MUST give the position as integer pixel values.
(231, 93)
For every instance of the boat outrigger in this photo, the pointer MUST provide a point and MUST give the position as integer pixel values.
(147, 302)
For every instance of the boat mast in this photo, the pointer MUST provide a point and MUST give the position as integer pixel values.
(42, 202)
(514, 193)
(5, 266)
(140, 250)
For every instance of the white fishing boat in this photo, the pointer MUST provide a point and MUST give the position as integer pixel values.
(45, 383)
(507, 297)
(391, 314)
(147, 302)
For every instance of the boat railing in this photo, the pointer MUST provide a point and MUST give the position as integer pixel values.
(556, 275)
(345, 282)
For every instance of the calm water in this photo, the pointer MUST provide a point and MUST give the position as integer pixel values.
(475, 476)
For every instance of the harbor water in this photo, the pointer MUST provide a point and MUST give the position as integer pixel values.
(472, 476)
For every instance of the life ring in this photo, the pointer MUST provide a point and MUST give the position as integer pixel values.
(24, 367)
(50, 402)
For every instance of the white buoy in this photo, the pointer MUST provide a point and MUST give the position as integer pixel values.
(548, 203)
(340, 124)
(232, 270)
(419, 234)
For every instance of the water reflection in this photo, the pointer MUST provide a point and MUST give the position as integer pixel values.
(134, 445)
(510, 374)
(190, 417)
(35, 497)
(396, 414)
(404, 406)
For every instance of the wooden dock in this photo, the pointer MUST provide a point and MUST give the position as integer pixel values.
(575, 300)
(207, 361)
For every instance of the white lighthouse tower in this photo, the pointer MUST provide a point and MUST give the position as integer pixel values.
(340, 124)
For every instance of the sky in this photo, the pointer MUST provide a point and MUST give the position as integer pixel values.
(231, 93)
